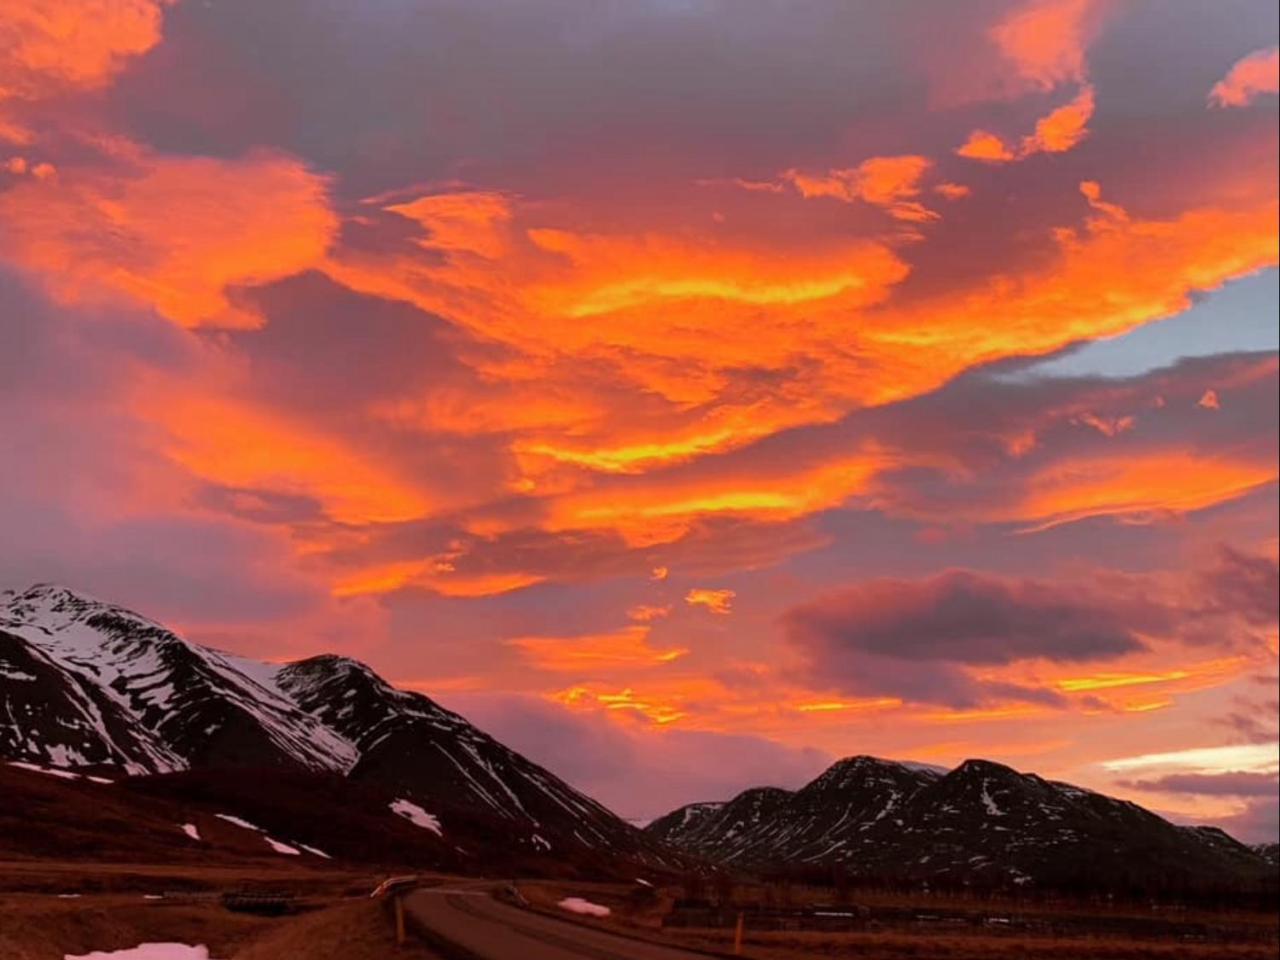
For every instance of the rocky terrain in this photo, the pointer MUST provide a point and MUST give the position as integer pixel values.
(981, 823)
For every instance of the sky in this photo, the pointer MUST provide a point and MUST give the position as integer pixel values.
(689, 392)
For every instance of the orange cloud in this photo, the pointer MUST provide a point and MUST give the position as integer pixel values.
(548, 291)
(1188, 679)
(587, 697)
(434, 574)
(623, 649)
(1046, 40)
(459, 222)
(1062, 129)
(891, 183)
(717, 601)
(863, 705)
(645, 613)
(674, 317)
(1209, 400)
(1056, 132)
(1109, 277)
(1137, 487)
(169, 232)
(59, 46)
(236, 445)
(982, 145)
(952, 191)
(664, 270)
(72, 44)
(660, 512)
(1249, 78)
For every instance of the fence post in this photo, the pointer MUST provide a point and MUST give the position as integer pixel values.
(737, 936)
(399, 904)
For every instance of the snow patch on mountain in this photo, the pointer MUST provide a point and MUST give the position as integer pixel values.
(417, 816)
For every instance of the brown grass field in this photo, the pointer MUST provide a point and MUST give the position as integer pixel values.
(113, 911)
(1259, 933)
(341, 923)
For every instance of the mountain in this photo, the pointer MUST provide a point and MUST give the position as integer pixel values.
(982, 823)
(1269, 852)
(92, 687)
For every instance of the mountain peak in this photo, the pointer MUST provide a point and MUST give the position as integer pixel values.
(978, 767)
(54, 606)
(89, 685)
(336, 664)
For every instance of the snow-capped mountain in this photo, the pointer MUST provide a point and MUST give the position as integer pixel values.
(88, 685)
(979, 823)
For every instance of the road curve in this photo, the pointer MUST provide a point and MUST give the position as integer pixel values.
(489, 930)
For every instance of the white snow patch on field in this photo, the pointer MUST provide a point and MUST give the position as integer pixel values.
(191, 831)
(313, 850)
(63, 774)
(578, 905)
(279, 847)
(417, 816)
(147, 951)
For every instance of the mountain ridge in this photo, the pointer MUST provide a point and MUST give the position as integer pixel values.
(981, 823)
(96, 687)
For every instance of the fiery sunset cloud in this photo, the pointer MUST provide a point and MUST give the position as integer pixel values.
(708, 378)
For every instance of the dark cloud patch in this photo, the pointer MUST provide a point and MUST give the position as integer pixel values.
(390, 94)
(327, 350)
(1245, 585)
(916, 639)
(261, 506)
(1235, 784)
(963, 617)
(1255, 719)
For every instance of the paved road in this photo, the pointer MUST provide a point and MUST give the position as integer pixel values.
(491, 930)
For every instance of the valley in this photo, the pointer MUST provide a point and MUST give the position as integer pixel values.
(157, 788)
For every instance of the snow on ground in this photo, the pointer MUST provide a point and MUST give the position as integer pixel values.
(417, 816)
(147, 951)
(578, 905)
(279, 847)
(34, 768)
(191, 831)
(238, 822)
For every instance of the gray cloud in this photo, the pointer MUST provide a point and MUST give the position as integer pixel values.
(1235, 784)
(915, 639)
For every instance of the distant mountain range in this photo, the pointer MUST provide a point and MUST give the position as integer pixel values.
(981, 823)
(90, 686)
(322, 753)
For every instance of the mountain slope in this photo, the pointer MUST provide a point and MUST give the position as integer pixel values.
(982, 823)
(90, 686)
